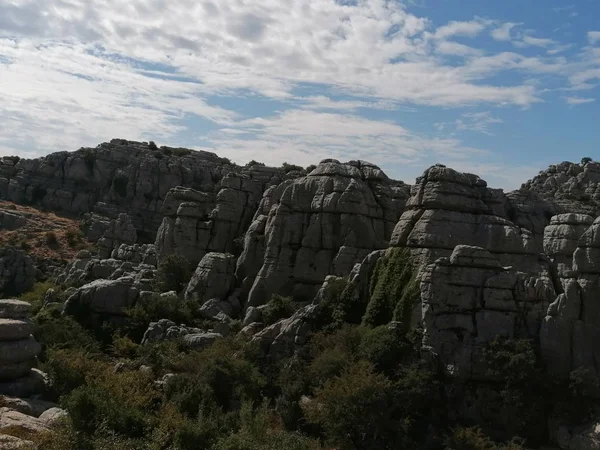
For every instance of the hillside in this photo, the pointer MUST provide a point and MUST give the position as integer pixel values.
(191, 303)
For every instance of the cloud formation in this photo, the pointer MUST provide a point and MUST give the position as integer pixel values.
(77, 72)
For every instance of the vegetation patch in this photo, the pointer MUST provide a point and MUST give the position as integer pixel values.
(394, 289)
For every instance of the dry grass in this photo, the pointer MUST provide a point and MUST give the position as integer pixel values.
(45, 235)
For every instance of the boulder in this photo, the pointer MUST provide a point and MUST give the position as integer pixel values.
(13, 443)
(26, 425)
(199, 341)
(53, 416)
(14, 309)
(104, 297)
(214, 278)
(15, 329)
(17, 272)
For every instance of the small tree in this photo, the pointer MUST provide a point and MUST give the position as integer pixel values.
(586, 160)
(174, 273)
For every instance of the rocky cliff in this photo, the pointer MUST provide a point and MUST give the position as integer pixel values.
(462, 262)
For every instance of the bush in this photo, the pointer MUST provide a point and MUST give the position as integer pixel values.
(73, 237)
(356, 409)
(475, 439)
(254, 163)
(586, 160)
(310, 168)
(152, 146)
(394, 289)
(174, 273)
(278, 308)
(36, 294)
(287, 168)
(51, 239)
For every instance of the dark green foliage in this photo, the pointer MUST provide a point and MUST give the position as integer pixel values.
(475, 439)
(51, 239)
(586, 160)
(74, 237)
(254, 163)
(158, 155)
(310, 168)
(174, 273)
(278, 308)
(152, 145)
(140, 316)
(287, 168)
(120, 185)
(394, 289)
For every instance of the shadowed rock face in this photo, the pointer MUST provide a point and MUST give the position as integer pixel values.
(321, 224)
(119, 176)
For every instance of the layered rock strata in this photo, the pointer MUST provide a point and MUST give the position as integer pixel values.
(321, 224)
(18, 351)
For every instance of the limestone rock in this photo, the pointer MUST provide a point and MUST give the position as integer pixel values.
(214, 278)
(13, 443)
(198, 341)
(120, 231)
(14, 329)
(449, 208)
(17, 272)
(14, 309)
(53, 415)
(469, 300)
(197, 223)
(318, 225)
(14, 420)
(561, 239)
(28, 406)
(104, 297)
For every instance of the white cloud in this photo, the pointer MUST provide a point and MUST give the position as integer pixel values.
(75, 73)
(502, 33)
(579, 100)
(469, 29)
(593, 37)
(536, 42)
(454, 48)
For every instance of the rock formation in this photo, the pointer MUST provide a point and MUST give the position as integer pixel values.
(17, 272)
(18, 351)
(197, 223)
(321, 224)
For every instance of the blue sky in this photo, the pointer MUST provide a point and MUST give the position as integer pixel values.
(498, 88)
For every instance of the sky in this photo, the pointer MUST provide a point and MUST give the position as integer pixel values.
(498, 88)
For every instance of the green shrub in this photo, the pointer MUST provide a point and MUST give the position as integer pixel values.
(254, 163)
(152, 145)
(310, 168)
(394, 289)
(51, 239)
(586, 160)
(475, 439)
(140, 316)
(36, 294)
(356, 410)
(174, 273)
(260, 430)
(386, 347)
(74, 237)
(287, 168)
(278, 308)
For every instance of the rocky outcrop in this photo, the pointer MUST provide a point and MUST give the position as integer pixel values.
(561, 239)
(166, 330)
(18, 351)
(106, 297)
(197, 223)
(214, 278)
(321, 224)
(136, 260)
(120, 231)
(17, 272)
(119, 177)
(561, 189)
(469, 300)
(448, 208)
(572, 325)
